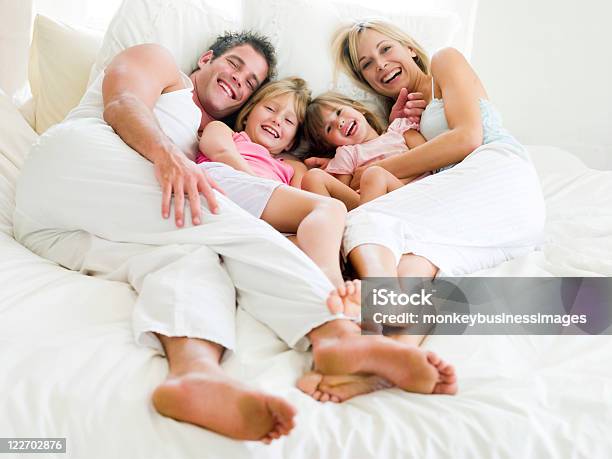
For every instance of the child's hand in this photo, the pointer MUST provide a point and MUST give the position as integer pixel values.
(356, 181)
(409, 106)
(316, 162)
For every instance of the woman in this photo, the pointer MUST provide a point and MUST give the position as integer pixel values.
(483, 205)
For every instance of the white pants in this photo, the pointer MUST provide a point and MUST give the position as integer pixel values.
(90, 203)
(485, 210)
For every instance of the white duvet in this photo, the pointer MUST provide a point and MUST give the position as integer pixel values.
(69, 367)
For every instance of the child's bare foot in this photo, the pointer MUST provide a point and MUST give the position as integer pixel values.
(340, 388)
(346, 299)
(207, 397)
(408, 367)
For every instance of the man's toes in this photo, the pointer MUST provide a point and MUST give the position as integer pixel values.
(447, 370)
(445, 389)
(324, 397)
(317, 395)
(282, 410)
(334, 304)
(335, 399)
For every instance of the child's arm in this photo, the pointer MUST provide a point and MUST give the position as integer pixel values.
(344, 178)
(299, 169)
(217, 143)
(413, 138)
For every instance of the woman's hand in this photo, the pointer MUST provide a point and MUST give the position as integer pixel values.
(178, 175)
(409, 106)
(315, 162)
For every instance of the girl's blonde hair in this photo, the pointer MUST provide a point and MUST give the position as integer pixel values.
(346, 39)
(291, 85)
(314, 125)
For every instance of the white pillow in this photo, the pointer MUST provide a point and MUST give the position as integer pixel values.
(302, 31)
(61, 57)
(185, 27)
(16, 137)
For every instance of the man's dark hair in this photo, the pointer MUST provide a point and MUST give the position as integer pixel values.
(260, 43)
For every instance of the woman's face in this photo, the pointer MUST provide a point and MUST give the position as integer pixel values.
(273, 123)
(343, 125)
(385, 64)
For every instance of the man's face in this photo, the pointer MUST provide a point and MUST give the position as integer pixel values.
(224, 84)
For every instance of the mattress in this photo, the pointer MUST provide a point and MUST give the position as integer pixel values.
(70, 367)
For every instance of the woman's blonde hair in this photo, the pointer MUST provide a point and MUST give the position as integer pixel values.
(314, 125)
(346, 39)
(291, 85)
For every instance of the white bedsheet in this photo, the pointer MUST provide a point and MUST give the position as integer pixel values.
(70, 367)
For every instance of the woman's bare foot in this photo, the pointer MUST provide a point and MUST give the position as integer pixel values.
(407, 367)
(447, 381)
(346, 299)
(207, 397)
(338, 389)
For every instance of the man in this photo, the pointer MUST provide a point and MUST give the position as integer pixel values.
(101, 223)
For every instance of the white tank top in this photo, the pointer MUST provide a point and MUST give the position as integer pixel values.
(177, 114)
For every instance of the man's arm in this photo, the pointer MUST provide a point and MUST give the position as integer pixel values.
(133, 82)
(217, 144)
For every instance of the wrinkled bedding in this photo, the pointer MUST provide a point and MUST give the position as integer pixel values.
(70, 367)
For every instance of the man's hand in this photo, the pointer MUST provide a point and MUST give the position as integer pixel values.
(178, 175)
(315, 162)
(409, 106)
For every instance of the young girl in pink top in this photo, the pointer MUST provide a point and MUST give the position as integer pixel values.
(252, 169)
(335, 123)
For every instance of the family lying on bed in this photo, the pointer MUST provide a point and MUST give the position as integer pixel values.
(465, 197)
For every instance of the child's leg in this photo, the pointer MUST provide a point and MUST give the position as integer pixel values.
(376, 182)
(320, 182)
(317, 221)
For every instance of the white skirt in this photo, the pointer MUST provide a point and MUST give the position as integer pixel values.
(487, 209)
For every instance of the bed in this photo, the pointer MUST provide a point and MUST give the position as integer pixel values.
(70, 367)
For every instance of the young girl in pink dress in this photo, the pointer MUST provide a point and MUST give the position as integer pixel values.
(335, 123)
(252, 169)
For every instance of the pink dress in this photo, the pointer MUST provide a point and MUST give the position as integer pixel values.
(259, 158)
(391, 143)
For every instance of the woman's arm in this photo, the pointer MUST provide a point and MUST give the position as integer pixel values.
(217, 144)
(461, 90)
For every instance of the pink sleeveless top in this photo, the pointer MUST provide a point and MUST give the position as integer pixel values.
(259, 158)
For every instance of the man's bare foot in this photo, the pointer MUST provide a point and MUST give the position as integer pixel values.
(207, 397)
(346, 299)
(340, 388)
(407, 367)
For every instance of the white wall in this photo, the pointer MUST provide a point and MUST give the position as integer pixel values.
(15, 17)
(547, 65)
